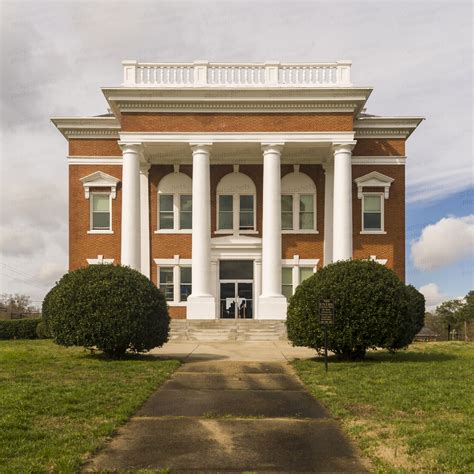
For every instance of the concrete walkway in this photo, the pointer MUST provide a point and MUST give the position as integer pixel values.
(215, 416)
(253, 351)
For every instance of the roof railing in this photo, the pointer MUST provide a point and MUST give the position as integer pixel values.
(236, 75)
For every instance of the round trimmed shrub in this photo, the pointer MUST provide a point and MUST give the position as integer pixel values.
(373, 309)
(108, 307)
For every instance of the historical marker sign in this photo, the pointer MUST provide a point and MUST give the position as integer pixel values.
(326, 312)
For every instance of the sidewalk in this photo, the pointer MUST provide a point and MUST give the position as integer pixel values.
(243, 351)
(215, 416)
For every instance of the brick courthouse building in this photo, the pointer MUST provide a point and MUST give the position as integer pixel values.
(228, 184)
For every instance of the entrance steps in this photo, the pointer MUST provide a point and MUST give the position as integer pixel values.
(222, 330)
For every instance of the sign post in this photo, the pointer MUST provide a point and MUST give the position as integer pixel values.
(326, 318)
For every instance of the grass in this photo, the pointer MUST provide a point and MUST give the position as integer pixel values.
(412, 411)
(57, 404)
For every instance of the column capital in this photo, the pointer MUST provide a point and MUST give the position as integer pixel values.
(272, 147)
(145, 167)
(338, 147)
(201, 147)
(328, 166)
(131, 147)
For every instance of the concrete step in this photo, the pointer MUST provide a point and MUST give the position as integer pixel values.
(227, 330)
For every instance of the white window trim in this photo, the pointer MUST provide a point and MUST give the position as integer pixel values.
(176, 215)
(296, 215)
(91, 203)
(98, 179)
(176, 263)
(236, 215)
(296, 263)
(100, 260)
(380, 231)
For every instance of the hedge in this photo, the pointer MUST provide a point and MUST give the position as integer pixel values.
(19, 328)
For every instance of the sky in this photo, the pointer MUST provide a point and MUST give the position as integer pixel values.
(417, 55)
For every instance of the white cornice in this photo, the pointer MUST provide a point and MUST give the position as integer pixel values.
(94, 160)
(386, 127)
(236, 100)
(87, 127)
(379, 160)
(250, 137)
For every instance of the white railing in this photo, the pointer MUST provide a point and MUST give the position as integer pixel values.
(206, 74)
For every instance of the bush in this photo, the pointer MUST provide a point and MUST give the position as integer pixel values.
(19, 328)
(373, 309)
(42, 331)
(108, 307)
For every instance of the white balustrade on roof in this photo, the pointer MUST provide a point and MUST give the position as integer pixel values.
(206, 74)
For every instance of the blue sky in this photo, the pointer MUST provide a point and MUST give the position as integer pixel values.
(56, 55)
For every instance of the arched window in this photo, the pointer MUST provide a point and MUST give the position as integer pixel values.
(298, 203)
(236, 204)
(175, 203)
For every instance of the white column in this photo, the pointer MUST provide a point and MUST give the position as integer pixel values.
(272, 304)
(130, 251)
(144, 220)
(201, 302)
(328, 210)
(342, 212)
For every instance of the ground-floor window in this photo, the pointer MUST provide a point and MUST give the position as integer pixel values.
(294, 271)
(174, 279)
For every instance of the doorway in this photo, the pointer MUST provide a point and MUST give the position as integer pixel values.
(236, 289)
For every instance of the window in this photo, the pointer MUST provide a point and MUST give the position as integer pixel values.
(175, 203)
(100, 207)
(306, 211)
(166, 211)
(226, 212)
(305, 273)
(166, 282)
(287, 281)
(236, 197)
(298, 203)
(185, 283)
(185, 211)
(246, 218)
(287, 212)
(372, 207)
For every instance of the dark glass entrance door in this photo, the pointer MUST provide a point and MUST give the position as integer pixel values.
(236, 300)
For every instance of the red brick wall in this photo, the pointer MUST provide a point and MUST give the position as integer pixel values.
(81, 244)
(392, 244)
(217, 122)
(94, 147)
(379, 147)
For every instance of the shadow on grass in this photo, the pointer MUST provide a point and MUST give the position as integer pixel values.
(397, 357)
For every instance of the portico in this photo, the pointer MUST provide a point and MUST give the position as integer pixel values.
(334, 152)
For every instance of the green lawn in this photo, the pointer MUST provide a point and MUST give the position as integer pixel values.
(412, 411)
(58, 404)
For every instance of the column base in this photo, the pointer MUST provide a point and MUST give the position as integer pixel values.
(201, 307)
(272, 307)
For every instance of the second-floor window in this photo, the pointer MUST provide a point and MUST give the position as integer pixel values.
(100, 211)
(298, 203)
(236, 204)
(175, 203)
(372, 212)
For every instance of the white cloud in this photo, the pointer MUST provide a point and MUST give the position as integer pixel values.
(448, 241)
(20, 242)
(50, 272)
(433, 296)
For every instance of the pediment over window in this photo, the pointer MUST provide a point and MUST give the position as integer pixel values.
(373, 179)
(100, 180)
